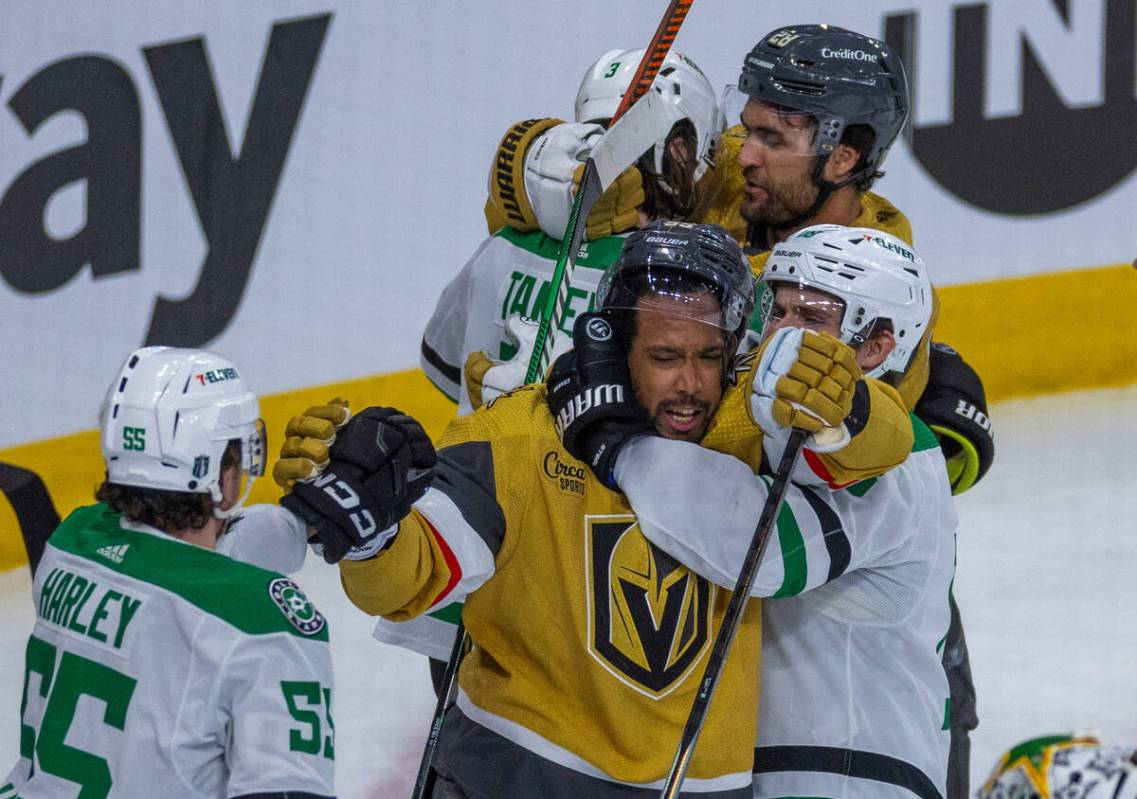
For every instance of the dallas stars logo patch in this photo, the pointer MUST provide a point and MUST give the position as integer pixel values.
(301, 613)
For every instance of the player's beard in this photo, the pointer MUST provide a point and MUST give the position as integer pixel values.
(780, 204)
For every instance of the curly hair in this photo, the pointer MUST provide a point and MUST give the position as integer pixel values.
(165, 510)
(671, 194)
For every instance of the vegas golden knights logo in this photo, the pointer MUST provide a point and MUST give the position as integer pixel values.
(650, 616)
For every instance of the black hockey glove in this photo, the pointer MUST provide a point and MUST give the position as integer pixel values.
(590, 396)
(381, 462)
(954, 406)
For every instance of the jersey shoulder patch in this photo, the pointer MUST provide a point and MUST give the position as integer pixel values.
(296, 607)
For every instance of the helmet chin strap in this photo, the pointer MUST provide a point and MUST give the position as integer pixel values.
(228, 513)
(825, 189)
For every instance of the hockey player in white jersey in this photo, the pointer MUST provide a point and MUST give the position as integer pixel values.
(483, 309)
(159, 667)
(854, 699)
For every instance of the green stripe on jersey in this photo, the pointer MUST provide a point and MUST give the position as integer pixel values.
(794, 566)
(861, 488)
(254, 600)
(925, 438)
(593, 254)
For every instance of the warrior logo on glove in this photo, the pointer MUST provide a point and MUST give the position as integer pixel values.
(598, 329)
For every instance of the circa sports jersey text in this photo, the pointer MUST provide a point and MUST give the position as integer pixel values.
(569, 477)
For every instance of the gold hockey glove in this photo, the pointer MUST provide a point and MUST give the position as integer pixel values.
(304, 453)
(508, 205)
(618, 209)
(818, 389)
(807, 380)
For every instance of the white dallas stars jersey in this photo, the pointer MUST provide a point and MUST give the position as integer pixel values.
(158, 668)
(509, 275)
(854, 699)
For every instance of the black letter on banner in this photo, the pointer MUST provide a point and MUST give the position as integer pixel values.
(108, 162)
(232, 196)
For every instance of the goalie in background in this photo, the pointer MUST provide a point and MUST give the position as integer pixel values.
(212, 677)
(1064, 766)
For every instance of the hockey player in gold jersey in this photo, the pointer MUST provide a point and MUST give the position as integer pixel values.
(588, 641)
(820, 107)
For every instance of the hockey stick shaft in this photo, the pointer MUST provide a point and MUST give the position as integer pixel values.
(733, 616)
(589, 193)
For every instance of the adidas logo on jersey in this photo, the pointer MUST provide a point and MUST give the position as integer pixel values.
(114, 553)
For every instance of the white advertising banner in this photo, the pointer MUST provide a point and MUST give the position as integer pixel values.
(292, 183)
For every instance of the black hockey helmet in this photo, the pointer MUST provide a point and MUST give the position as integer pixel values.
(674, 258)
(841, 77)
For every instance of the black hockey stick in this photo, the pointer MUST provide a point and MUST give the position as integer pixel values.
(733, 615)
(592, 186)
(32, 505)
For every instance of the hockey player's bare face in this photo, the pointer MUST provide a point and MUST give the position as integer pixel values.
(801, 306)
(675, 360)
(777, 162)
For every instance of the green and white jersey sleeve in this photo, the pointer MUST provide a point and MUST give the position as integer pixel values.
(157, 668)
(508, 275)
(854, 698)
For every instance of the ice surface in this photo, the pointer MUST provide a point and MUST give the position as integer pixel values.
(1046, 583)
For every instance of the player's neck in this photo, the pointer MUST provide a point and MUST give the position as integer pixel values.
(204, 537)
(842, 207)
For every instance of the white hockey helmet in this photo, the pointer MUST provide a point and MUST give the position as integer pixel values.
(168, 417)
(680, 81)
(875, 274)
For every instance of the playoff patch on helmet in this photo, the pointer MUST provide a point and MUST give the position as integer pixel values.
(295, 606)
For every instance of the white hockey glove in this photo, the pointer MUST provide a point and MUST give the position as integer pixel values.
(549, 167)
(488, 378)
(554, 167)
(805, 379)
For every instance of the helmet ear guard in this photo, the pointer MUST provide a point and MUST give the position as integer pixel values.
(168, 418)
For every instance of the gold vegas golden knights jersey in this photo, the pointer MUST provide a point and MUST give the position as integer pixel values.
(588, 640)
